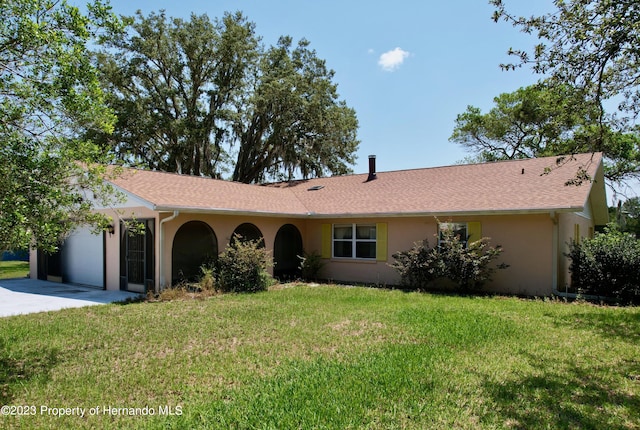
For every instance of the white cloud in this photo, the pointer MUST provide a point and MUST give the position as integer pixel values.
(391, 60)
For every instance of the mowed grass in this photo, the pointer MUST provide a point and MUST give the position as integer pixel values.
(14, 269)
(326, 357)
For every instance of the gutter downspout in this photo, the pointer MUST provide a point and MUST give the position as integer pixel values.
(161, 266)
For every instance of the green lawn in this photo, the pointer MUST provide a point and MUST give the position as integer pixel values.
(14, 269)
(326, 357)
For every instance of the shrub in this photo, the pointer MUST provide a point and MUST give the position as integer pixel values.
(242, 267)
(466, 264)
(310, 266)
(417, 266)
(207, 281)
(607, 265)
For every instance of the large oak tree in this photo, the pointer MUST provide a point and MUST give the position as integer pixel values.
(207, 98)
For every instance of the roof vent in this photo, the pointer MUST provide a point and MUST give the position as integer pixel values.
(372, 168)
(315, 188)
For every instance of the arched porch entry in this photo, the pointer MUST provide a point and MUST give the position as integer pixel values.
(248, 232)
(194, 244)
(286, 249)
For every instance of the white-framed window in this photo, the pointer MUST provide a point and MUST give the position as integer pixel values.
(460, 229)
(354, 241)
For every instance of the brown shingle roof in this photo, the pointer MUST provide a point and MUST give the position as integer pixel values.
(476, 188)
(169, 191)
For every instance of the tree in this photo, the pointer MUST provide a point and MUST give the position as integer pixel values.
(206, 98)
(593, 45)
(293, 121)
(627, 216)
(541, 120)
(49, 92)
(530, 122)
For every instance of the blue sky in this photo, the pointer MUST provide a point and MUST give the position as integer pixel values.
(406, 112)
(407, 67)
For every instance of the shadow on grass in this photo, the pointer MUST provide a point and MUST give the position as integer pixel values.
(622, 326)
(131, 300)
(572, 397)
(18, 369)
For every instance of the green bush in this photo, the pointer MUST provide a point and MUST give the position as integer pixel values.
(242, 267)
(607, 265)
(466, 264)
(207, 281)
(310, 266)
(417, 266)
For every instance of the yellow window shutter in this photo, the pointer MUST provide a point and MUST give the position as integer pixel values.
(474, 230)
(326, 241)
(381, 241)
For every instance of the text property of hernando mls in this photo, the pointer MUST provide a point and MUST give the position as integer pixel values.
(25, 410)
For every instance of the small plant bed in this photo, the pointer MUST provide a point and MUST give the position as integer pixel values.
(325, 357)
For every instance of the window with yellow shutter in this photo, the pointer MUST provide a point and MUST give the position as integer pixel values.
(467, 231)
(354, 241)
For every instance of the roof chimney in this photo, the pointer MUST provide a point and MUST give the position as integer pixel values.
(372, 168)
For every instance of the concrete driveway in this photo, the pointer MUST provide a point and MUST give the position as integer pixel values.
(25, 296)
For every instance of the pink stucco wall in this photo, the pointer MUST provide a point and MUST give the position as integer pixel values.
(566, 234)
(527, 240)
(223, 227)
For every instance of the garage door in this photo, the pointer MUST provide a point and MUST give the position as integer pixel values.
(83, 258)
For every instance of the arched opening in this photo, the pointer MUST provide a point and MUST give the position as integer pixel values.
(286, 249)
(248, 232)
(194, 244)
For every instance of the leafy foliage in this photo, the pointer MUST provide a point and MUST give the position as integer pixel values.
(206, 98)
(530, 122)
(594, 46)
(207, 280)
(49, 92)
(607, 265)
(310, 265)
(242, 267)
(627, 216)
(543, 120)
(467, 264)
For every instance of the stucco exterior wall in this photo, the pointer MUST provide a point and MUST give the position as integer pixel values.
(527, 241)
(570, 225)
(33, 264)
(223, 227)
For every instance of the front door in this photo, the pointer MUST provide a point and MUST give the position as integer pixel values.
(137, 257)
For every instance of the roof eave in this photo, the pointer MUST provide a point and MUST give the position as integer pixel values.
(225, 211)
(221, 211)
(452, 213)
